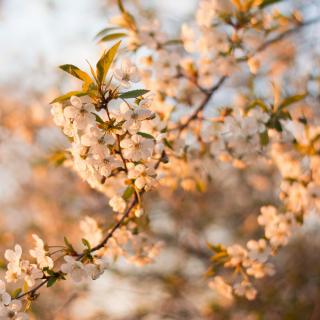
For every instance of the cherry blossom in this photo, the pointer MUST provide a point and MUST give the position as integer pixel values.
(126, 74)
(143, 176)
(80, 113)
(118, 204)
(134, 117)
(43, 260)
(12, 311)
(5, 297)
(91, 230)
(137, 148)
(76, 269)
(245, 289)
(258, 250)
(221, 287)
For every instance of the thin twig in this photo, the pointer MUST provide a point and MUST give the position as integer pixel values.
(33, 290)
(205, 101)
(112, 231)
(287, 33)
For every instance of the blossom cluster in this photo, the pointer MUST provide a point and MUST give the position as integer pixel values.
(45, 267)
(116, 144)
(295, 153)
(21, 270)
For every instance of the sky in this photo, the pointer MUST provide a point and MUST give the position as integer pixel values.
(38, 35)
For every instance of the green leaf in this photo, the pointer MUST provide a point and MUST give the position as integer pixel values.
(291, 100)
(128, 18)
(201, 186)
(283, 115)
(275, 123)
(266, 3)
(25, 287)
(98, 118)
(92, 90)
(68, 245)
(66, 241)
(133, 94)
(145, 135)
(113, 36)
(76, 72)
(121, 6)
(259, 103)
(58, 158)
(173, 42)
(92, 72)
(49, 272)
(86, 243)
(105, 31)
(105, 62)
(120, 123)
(52, 280)
(128, 193)
(16, 293)
(168, 143)
(264, 138)
(216, 248)
(68, 96)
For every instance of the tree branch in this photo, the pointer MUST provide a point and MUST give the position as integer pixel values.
(287, 33)
(265, 45)
(33, 291)
(112, 231)
(207, 98)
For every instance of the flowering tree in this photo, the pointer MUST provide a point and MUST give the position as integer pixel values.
(145, 119)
